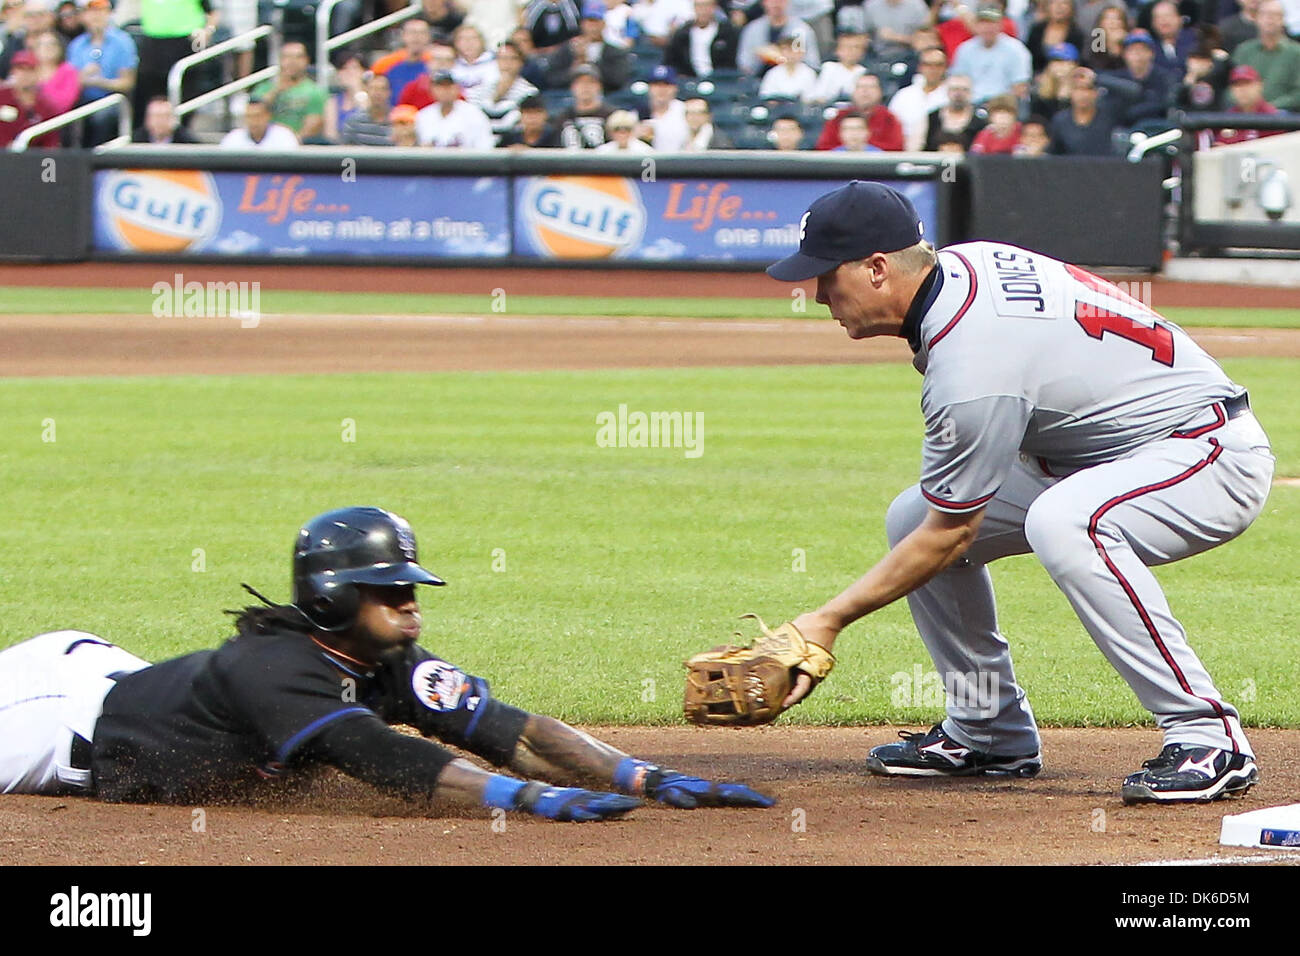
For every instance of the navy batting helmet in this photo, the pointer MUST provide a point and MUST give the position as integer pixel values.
(340, 549)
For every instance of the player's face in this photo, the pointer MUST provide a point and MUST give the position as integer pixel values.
(388, 616)
(854, 297)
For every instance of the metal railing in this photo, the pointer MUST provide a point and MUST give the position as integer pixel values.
(221, 92)
(176, 74)
(326, 44)
(23, 139)
(1152, 143)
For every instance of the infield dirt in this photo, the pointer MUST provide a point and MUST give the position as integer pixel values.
(830, 812)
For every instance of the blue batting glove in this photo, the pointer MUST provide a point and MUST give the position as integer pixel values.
(686, 793)
(573, 804)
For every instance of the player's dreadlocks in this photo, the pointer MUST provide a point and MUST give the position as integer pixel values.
(257, 620)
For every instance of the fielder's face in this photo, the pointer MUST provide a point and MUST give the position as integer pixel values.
(388, 616)
(854, 293)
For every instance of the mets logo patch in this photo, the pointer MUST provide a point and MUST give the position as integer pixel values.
(405, 540)
(438, 685)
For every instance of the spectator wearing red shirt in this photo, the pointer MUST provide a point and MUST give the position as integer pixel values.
(1246, 89)
(419, 92)
(22, 104)
(953, 33)
(1002, 134)
(884, 131)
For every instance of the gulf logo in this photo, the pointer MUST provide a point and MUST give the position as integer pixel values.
(160, 210)
(583, 217)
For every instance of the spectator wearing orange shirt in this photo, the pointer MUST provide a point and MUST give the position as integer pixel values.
(885, 132)
(407, 64)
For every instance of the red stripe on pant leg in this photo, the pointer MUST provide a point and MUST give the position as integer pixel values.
(1132, 595)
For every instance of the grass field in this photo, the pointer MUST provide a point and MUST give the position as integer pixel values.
(580, 576)
(96, 301)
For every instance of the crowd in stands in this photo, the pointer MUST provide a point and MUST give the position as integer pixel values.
(1024, 77)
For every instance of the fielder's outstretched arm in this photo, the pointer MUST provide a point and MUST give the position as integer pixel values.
(940, 540)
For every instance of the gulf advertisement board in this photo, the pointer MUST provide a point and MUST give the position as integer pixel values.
(184, 212)
(682, 219)
(180, 212)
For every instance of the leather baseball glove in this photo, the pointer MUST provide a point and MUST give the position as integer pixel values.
(741, 686)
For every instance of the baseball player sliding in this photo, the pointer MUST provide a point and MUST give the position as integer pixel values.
(1062, 417)
(316, 682)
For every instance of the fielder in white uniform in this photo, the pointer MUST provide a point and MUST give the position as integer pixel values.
(1063, 417)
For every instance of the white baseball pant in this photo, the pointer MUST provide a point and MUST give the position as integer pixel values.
(52, 687)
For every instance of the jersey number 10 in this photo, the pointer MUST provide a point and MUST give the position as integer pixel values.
(1097, 320)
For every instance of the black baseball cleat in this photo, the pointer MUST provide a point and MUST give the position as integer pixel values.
(1182, 773)
(935, 754)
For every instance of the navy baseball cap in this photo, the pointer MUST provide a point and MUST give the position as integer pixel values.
(1063, 51)
(663, 74)
(593, 10)
(1140, 36)
(849, 223)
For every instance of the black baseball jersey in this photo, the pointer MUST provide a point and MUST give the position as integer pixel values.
(260, 704)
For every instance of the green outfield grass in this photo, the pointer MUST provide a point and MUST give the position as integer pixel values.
(779, 305)
(158, 496)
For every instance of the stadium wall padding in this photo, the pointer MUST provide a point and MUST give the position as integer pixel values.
(1098, 211)
(45, 198)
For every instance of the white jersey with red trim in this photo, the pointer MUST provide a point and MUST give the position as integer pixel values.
(1026, 355)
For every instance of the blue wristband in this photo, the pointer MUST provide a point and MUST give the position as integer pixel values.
(502, 791)
(630, 774)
